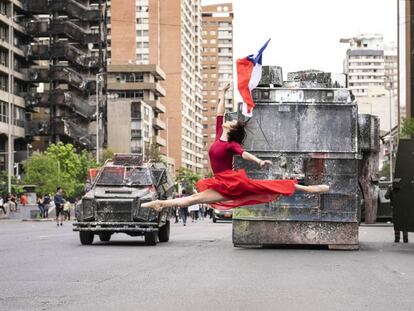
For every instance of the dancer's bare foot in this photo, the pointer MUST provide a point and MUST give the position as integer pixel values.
(318, 188)
(157, 205)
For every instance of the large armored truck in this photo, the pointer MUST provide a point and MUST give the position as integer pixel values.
(113, 205)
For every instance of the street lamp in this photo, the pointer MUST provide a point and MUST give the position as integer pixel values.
(389, 88)
(99, 77)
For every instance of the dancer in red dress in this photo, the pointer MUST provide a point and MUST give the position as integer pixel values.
(232, 188)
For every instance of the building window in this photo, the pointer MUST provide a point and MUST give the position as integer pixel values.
(4, 112)
(18, 118)
(3, 82)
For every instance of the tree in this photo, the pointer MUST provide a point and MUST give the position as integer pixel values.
(153, 151)
(187, 178)
(107, 154)
(42, 171)
(59, 166)
(16, 185)
(407, 127)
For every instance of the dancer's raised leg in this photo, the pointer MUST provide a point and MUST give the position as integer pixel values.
(208, 196)
(313, 188)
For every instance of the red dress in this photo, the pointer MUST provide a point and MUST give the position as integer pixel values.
(234, 185)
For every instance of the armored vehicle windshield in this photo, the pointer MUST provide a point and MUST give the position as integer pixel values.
(124, 176)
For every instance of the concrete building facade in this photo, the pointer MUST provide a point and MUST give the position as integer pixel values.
(372, 76)
(13, 83)
(217, 64)
(133, 108)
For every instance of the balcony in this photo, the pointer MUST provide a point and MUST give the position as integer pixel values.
(68, 52)
(77, 104)
(61, 74)
(77, 133)
(135, 86)
(160, 141)
(156, 105)
(67, 28)
(71, 7)
(158, 124)
(156, 71)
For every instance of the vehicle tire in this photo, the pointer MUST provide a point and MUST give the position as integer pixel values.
(214, 218)
(150, 238)
(105, 237)
(86, 237)
(164, 232)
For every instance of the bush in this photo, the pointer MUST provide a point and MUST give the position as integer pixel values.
(407, 127)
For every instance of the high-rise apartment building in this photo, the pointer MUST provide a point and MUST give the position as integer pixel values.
(180, 54)
(68, 49)
(371, 69)
(217, 62)
(13, 84)
(133, 107)
(167, 35)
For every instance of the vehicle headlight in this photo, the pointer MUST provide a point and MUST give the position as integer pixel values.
(217, 211)
(142, 213)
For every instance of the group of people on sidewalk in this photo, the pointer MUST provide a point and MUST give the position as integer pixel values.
(195, 211)
(11, 202)
(63, 207)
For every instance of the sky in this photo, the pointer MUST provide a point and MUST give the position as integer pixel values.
(305, 33)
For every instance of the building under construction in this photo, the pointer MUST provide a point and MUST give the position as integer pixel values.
(68, 51)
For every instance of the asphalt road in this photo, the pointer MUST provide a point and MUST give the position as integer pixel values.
(45, 268)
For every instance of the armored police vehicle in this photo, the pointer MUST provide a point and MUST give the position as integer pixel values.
(113, 205)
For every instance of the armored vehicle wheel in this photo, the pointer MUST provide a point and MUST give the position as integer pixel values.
(164, 232)
(105, 237)
(86, 238)
(150, 238)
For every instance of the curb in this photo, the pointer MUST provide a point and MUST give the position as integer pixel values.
(37, 220)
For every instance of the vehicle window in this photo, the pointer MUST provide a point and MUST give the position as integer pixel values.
(111, 176)
(157, 175)
(137, 177)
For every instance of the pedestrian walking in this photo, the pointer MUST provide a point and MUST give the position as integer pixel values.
(184, 209)
(2, 205)
(194, 210)
(23, 200)
(397, 233)
(46, 205)
(59, 201)
(67, 207)
(11, 202)
(40, 206)
(232, 188)
(201, 211)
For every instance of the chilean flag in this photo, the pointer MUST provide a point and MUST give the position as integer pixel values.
(249, 73)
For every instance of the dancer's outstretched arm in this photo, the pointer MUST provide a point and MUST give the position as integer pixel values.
(221, 104)
(248, 156)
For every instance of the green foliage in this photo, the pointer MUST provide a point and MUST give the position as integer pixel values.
(42, 171)
(385, 171)
(153, 151)
(59, 166)
(187, 178)
(16, 184)
(407, 127)
(107, 154)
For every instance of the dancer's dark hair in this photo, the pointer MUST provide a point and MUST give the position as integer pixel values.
(237, 132)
